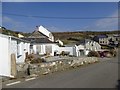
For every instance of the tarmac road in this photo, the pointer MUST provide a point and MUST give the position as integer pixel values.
(100, 75)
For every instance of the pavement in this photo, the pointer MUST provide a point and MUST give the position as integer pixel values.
(100, 75)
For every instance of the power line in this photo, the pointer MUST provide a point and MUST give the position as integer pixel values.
(47, 17)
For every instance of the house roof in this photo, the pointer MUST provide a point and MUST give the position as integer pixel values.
(38, 40)
(15, 38)
(20, 39)
(37, 34)
(101, 36)
(83, 42)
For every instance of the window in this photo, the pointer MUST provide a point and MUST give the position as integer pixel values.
(31, 46)
(100, 42)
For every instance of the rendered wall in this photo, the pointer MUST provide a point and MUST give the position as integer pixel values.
(5, 63)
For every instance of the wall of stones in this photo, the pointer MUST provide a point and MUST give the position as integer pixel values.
(54, 66)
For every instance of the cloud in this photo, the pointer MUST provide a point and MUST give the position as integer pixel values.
(12, 24)
(53, 29)
(6, 19)
(57, 29)
(105, 23)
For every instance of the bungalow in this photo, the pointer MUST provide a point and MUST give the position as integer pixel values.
(88, 45)
(42, 42)
(12, 50)
(42, 46)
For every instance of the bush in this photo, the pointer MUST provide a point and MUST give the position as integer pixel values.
(30, 57)
(65, 53)
(113, 52)
(93, 54)
(38, 60)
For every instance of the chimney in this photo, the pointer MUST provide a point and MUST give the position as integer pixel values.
(37, 28)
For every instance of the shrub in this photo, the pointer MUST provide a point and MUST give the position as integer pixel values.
(93, 54)
(64, 53)
(113, 52)
(37, 60)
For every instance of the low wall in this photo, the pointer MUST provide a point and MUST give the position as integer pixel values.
(53, 66)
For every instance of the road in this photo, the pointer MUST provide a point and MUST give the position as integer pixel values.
(99, 75)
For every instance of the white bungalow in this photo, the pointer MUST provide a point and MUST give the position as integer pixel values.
(43, 46)
(42, 42)
(92, 46)
(12, 50)
(88, 45)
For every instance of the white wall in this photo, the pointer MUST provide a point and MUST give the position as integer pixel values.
(34, 49)
(27, 47)
(8, 46)
(81, 47)
(24, 47)
(73, 50)
(21, 55)
(5, 62)
(68, 49)
(13, 47)
(55, 47)
(94, 46)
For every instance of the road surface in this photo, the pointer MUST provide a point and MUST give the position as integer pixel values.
(99, 75)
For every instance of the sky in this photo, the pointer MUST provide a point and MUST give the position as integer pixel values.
(77, 10)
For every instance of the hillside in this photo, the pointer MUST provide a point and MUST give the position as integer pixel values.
(66, 37)
(12, 33)
(70, 37)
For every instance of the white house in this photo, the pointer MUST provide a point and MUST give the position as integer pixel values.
(12, 50)
(41, 42)
(88, 45)
(92, 46)
(43, 46)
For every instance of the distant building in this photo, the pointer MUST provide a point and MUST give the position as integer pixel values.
(0, 30)
(87, 45)
(101, 39)
(20, 35)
